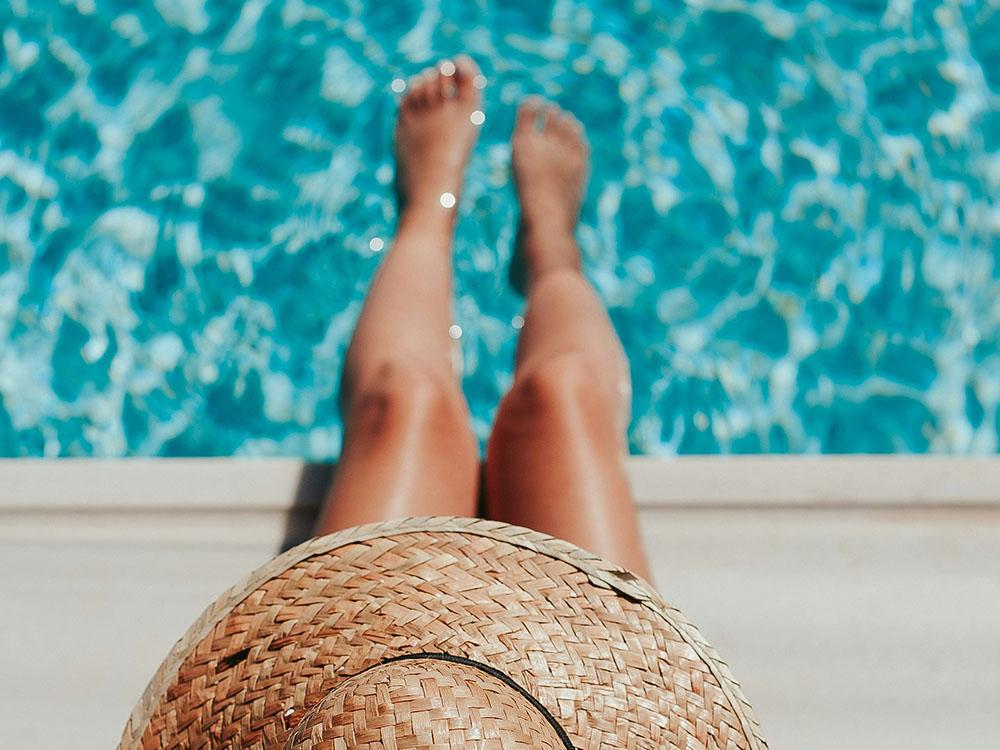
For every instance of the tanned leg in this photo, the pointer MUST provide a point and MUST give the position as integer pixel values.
(408, 447)
(555, 457)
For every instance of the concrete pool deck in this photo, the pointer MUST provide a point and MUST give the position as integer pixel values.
(856, 598)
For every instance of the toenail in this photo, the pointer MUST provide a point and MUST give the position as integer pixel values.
(477, 117)
(447, 200)
(398, 85)
(479, 81)
(447, 68)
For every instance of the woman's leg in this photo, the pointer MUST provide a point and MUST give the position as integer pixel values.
(408, 447)
(555, 457)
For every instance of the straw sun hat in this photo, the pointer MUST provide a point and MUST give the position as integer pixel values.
(441, 633)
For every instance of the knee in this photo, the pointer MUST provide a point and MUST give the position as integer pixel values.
(403, 395)
(560, 388)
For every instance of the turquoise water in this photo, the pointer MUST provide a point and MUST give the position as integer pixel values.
(792, 215)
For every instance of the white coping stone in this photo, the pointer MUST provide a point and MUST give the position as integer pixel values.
(699, 481)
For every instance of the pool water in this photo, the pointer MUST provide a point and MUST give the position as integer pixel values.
(792, 215)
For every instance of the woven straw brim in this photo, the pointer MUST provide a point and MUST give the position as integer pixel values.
(615, 665)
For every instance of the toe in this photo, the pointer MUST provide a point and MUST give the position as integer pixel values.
(432, 86)
(550, 119)
(569, 127)
(416, 92)
(447, 80)
(527, 114)
(579, 133)
(467, 78)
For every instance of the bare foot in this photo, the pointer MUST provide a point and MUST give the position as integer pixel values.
(434, 134)
(550, 156)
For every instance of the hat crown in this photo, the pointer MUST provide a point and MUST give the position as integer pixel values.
(426, 702)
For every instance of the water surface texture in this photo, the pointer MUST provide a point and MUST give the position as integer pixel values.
(792, 216)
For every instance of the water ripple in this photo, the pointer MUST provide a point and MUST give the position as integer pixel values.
(792, 215)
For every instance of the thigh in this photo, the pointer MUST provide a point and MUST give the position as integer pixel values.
(555, 463)
(408, 451)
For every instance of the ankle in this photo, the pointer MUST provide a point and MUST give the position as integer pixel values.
(544, 252)
(425, 216)
(548, 241)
